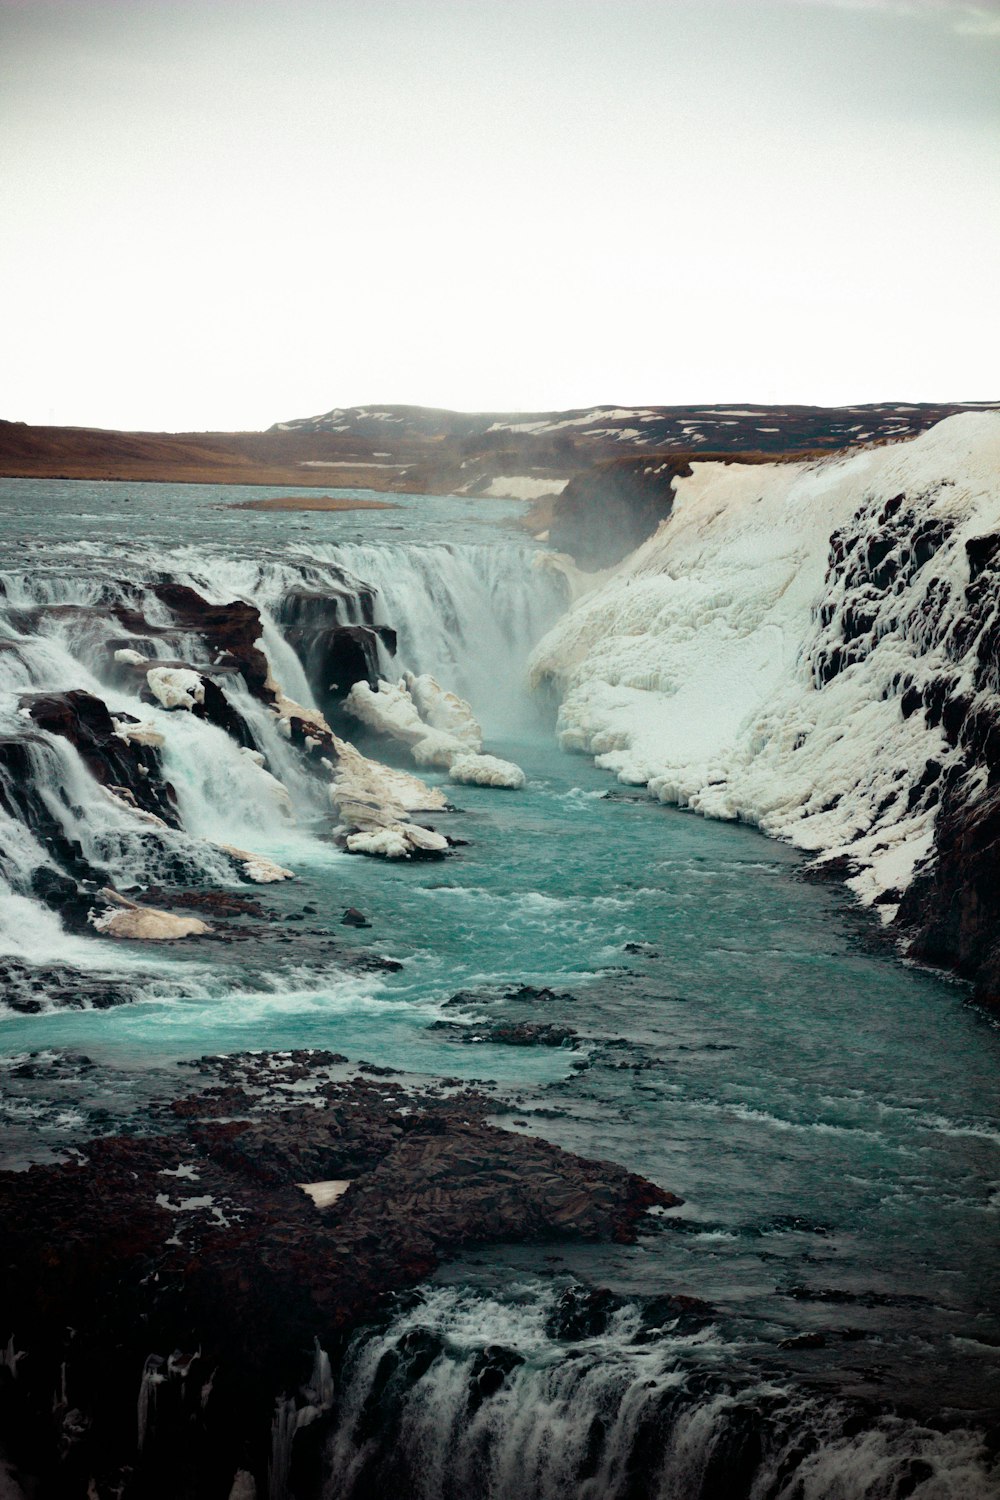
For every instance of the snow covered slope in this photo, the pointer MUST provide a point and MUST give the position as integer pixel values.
(808, 647)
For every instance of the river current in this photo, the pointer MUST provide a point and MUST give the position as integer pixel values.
(744, 1038)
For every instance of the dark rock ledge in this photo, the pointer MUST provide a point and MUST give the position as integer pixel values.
(184, 1277)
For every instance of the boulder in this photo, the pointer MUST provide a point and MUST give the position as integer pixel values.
(127, 919)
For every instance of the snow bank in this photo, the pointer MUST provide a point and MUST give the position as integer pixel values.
(753, 659)
(523, 487)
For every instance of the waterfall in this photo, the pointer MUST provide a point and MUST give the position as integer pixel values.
(467, 1394)
(467, 613)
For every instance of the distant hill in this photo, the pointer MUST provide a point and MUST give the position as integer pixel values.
(421, 450)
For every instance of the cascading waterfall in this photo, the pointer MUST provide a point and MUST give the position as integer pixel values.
(470, 613)
(467, 1394)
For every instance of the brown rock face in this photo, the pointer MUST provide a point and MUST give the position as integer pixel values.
(604, 514)
(231, 630)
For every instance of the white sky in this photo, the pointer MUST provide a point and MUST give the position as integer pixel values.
(222, 213)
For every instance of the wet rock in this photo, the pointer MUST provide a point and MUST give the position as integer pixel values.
(216, 903)
(354, 918)
(489, 1373)
(508, 1033)
(689, 1313)
(119, 764)
(952, 911)
(23, 986)
(529, 995)
(581, 1313)
(804, 1341)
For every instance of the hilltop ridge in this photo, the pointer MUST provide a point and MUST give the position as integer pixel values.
(417, 450)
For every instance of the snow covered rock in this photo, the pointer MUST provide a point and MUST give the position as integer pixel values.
(433, 724)
(255, 867)
(398, 841)
(486, 770)
(176, 687)
(357, 777)
(374, 803)
(389, 710)
(809, 647)
(145, 923)
(438, 728)
(443, 710)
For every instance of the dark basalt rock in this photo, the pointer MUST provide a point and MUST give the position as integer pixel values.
(24, 987)
(952, 910)
(508, 1033)
(489, 1372)
(200, 1243)
(336, 647)
(524, 994)
(354, 918)
(230, 632)
(581, 1313)
(605, 513)
(116, 763)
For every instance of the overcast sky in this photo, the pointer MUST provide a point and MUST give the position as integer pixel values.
(221, 214)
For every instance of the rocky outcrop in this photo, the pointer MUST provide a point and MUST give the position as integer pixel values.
(604, 514)
(192, 1271)
(114, 758)
(952, 910)
(230, 632)
(336, 649)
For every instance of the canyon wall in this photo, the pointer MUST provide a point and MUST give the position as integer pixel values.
(814, 648)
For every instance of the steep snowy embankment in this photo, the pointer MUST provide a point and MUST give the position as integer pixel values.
(809, 647)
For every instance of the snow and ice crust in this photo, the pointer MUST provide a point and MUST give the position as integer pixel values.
(437, 727)
(799, 647)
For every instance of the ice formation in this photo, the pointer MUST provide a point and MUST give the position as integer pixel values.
(438, 728)
(486, 770)
(176, 687)
(761, 656)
